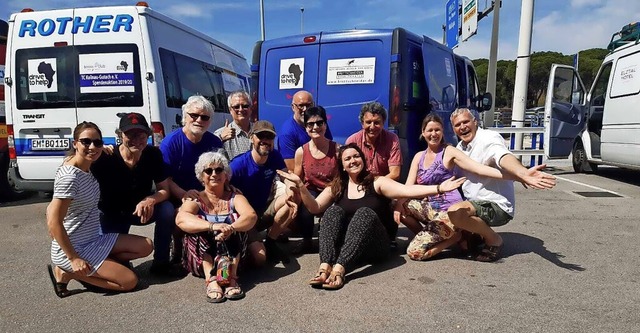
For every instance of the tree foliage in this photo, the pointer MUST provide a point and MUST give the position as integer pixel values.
(539, 67)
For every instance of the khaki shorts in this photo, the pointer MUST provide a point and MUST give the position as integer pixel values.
(490, 213)
(265, 220)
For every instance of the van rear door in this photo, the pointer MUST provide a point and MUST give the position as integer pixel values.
(564, 112)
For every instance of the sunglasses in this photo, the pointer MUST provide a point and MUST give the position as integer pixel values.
(86, 142)
(210, 171)
(195, 116)
(240, 106)
(265, 136)
(303, 106)
(310, 124)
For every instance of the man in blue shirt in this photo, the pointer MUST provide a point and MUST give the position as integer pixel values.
(254, 173)
(292, 132)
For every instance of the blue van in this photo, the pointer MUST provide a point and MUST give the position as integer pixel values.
(410, 75)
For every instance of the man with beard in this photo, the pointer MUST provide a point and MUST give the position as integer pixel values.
(235, 135)
(253, 173)
(126, 177)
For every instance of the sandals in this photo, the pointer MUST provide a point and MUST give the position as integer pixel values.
(332, 278)
(321, 277)
(59, 287)
(210, 290)
(489, 253)
(234, 287)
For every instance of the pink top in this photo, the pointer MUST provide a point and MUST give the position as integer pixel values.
(318, 173)
(386, 153)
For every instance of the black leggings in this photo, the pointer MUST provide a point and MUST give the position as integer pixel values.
(362, 239)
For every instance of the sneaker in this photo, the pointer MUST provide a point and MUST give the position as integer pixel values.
(274, 253)
(166, 269)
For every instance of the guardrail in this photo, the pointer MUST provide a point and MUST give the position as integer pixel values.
(536, 150)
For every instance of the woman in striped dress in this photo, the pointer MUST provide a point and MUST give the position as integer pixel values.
(79, 250)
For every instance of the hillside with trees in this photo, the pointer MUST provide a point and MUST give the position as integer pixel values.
(588, 64)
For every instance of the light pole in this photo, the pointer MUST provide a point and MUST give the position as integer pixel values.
(301, 20)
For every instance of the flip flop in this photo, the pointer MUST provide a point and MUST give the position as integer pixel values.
(234, 297)
(217, 290)
(59, 287)
(332, 277)
(314, 282)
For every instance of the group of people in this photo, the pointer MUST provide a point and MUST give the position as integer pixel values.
(226, 197)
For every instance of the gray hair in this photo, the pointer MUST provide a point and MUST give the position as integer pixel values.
(212, 157)
(373, 108)
(197, 102)
(238, 93)
(460, 111)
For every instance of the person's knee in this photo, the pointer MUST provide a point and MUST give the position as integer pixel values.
(129, 281)
(146, 247)
(257, 253)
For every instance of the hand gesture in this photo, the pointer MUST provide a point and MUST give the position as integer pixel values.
(80, 266)
(398, 210)
(225, 230)
(452, 184)
(537, 179)
(107, 149)
(228, 132)
(144, 210)
(290, 176)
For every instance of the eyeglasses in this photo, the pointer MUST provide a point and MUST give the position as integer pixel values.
(265, 136)
(240, 106)
(195, 116)
(86, 142)
(310, 124)
(136, 134)
(210, 171)
(303, 106)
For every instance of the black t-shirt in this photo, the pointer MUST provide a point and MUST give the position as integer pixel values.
(122, 188)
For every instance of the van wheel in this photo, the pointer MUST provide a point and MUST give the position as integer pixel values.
(7, 190)
(579, 160)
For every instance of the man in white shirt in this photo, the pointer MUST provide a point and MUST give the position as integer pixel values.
(491, 202)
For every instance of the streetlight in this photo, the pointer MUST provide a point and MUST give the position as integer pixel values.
(301, 19)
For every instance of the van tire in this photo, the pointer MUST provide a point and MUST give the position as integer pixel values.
(579, 160)
(7, 191)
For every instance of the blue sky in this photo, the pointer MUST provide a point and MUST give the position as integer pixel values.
(559, 25)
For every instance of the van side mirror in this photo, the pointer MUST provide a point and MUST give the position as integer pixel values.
(487, 101)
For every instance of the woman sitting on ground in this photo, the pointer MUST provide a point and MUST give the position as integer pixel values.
(315, 164)
(79, 251)
(351, 229)
(430, 167)
(214, 224)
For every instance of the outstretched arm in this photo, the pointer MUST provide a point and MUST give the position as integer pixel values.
(532, 177)
(464, 162)
(394, 190)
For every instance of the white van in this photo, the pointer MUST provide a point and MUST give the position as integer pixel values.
(604, 127)
(71, 65)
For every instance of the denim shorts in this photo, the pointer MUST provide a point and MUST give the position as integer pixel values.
(490, 213)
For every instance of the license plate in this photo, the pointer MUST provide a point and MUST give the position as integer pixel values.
(50, 144)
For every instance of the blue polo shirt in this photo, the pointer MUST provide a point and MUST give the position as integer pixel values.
(255, 180)
(292, 135)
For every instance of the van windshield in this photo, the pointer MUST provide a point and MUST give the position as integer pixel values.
(78, 76)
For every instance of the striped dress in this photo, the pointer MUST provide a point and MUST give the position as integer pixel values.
(82, 221)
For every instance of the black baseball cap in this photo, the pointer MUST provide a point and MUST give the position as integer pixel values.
(133, 120)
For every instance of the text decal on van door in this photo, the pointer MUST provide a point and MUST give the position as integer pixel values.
(101, 23)
(291, 73)
(42, 75)
(106, 72)
(351, 71)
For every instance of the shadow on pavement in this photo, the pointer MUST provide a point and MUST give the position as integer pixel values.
(516, 243)
(27, 199)
(394, 260)
(250, 277)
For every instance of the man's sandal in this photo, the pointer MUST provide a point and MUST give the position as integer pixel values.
(234, 286)
(210, 289)
(59, 287)
(489, 253)
(332, 278)
(321, 277)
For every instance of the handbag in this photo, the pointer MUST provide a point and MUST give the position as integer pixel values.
(222, 265)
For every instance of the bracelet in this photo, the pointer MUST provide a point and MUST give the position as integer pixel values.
(300, 185)
(211, 228)
(438, 189)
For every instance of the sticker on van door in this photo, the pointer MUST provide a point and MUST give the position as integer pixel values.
(351, 71)
(291, 73)
(106, 72)
(42, 75)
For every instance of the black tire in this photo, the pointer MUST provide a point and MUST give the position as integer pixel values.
(579, 160)
(7, 191)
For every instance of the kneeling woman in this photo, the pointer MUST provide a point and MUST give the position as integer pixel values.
(351, 229)
(79, 250)
(215, 223)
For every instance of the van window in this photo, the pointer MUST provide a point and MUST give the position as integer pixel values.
(441, 80)
(600, 86)
(626, 79)
(80, 76)
(185, 76)
(474, 91)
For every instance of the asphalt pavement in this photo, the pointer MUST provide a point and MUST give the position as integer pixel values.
(570, 264)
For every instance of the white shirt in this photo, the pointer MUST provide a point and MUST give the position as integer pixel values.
(487, 148)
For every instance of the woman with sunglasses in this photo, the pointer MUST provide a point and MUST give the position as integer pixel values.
(215, 223)
(79, 251)
(352, 230)
(315, 164)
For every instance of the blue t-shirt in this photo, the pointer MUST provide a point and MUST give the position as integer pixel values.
(255, 180)
(292, 136)
(181, 155)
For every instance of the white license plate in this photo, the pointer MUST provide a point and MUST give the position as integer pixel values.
(50, 144)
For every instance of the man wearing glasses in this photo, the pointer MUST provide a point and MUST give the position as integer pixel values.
(126, 177)
(254, 173)
(235, 135)
(293, 133)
